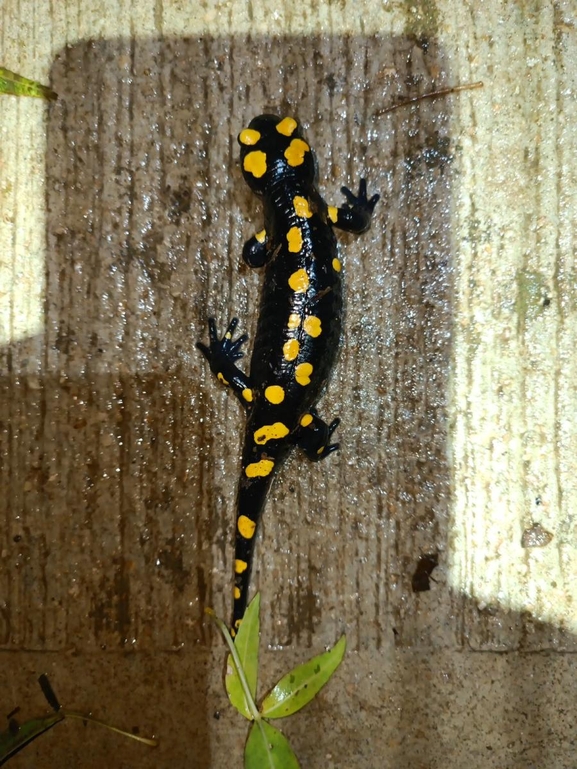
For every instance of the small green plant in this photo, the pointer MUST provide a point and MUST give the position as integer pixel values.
(17, 85)
(266, 746)
(17, 736)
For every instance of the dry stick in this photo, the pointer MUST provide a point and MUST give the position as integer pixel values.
(430, 95)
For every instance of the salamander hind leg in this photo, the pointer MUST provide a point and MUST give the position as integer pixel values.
(313, 436)
(222, 354)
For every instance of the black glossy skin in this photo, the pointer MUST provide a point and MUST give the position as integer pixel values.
(299, 320)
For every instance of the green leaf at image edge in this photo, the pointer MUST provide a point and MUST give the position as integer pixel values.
(246, 645)
(13, 740)
(267, 748)
(297, 688)
(16, 85)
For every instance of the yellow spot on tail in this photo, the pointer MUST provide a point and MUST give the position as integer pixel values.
(261, 236)
(333, 213)
(240, 566)
(303, 373)
(270, 432)
(274, 394)
(299, 281)
(306, 419)
(295, 240)
(247, 394)
(255, 163)
(245, 527)
(221, 378)
(259, 470)
(290, 349)
(236, 593)
(249, 136)
(302, 207)
(295, 152)
(312, 325)
(294, 321)
(337, 267)
(287, 126)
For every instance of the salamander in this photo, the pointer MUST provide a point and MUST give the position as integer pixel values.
(299, 322)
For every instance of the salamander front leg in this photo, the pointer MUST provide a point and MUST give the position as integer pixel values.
(355, 215)
(313, 436)
(255, 251)
(222, 354)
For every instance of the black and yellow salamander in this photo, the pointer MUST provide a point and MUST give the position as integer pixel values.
(299, 323)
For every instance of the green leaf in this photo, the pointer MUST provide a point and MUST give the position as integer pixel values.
(16, 737)
(299, 686)
(246, 645)
(17, 85)
(267, 748)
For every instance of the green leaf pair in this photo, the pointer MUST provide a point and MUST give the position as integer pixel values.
(266, 746)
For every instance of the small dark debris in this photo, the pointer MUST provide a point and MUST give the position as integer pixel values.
(179, 203)
(13, 726)
(536, 536)
(421, 580)
(48, 692)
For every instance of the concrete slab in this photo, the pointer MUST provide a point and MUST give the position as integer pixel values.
(123, 216)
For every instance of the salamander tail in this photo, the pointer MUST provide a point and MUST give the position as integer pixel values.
(250, 503)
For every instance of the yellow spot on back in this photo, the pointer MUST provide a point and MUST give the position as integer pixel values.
(255, 163)
(295, 240)
(306, 419)
(299, 281)
(259, 469)
(303, 373)
(240, 566)
(290, 349)
(237, 623)
(232, 632)
(247, 394)
(221, 378)
(295, 152)
(337, 267)
(312, 325)
(302, 207)
(260, 236)
(245, 527)
(274, 394)
(248, 136)
(333, 213)
(287, 126)
(294, 321)
(236, 593)
(270, 432)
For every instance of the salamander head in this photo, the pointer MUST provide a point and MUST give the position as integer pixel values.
(272, 148)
